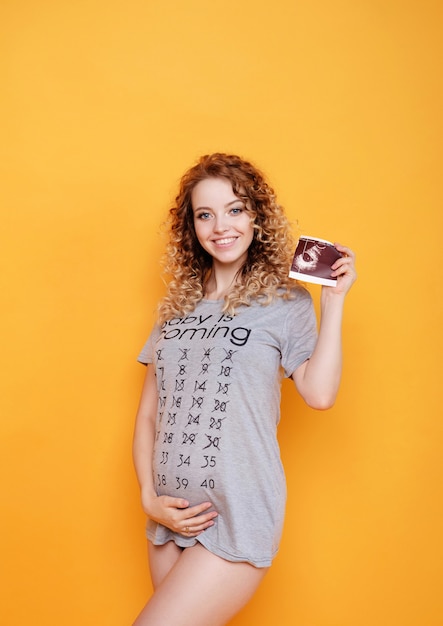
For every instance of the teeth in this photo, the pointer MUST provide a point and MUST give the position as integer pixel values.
(225, 241)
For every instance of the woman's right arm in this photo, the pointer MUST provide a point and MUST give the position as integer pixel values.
(174, 513)
(144, 433)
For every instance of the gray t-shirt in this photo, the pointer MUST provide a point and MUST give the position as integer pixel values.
(219, 380)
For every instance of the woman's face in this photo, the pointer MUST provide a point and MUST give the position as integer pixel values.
(222, 222)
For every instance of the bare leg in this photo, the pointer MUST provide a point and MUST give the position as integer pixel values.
(161, 560)
(201, 589)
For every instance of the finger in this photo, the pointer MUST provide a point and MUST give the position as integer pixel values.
(200, 520)
(176, 503)
(191, 530)
(347, 267)
(345, 263)
(341, 271)
(193, 511)
(345, 250)
(345, 277)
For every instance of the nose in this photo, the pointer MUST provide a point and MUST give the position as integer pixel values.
(220, 224)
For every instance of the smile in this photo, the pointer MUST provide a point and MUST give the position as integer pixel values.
(225, 242)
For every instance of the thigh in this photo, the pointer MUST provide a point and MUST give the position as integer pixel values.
(201, 589)
(161, 560)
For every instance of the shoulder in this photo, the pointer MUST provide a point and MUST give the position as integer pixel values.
(298, 294)
(285, 303)
(295, 306)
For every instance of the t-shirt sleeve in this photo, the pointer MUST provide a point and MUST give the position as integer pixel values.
(300, 332)
(147, 353)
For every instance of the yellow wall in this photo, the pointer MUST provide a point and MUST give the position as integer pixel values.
(103, 106)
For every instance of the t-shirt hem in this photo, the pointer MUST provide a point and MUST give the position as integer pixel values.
(304, 357)
(144, 360)
(183, 542)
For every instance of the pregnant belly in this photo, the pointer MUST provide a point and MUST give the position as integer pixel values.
(182, 477)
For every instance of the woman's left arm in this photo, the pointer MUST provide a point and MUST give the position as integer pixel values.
(318, 379)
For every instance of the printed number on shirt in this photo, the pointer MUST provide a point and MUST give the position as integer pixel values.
(189, 439)
(184, 461)
(208, 483)
(168, 437)
(182, 483)
(209, 461)
(216, 423)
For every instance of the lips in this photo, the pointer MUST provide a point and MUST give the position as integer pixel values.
(225, 241)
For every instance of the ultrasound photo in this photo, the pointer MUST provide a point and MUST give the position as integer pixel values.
(312, 261)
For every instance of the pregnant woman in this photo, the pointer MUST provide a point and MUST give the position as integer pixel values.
(205, 448)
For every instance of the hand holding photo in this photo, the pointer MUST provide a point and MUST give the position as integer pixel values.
(312, 261)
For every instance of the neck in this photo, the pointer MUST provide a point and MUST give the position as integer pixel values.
(220, 282)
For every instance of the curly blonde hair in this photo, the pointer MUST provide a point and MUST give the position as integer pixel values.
(264, 274)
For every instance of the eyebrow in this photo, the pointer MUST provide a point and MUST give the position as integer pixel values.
(207, 208)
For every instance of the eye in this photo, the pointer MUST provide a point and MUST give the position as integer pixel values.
(204, 215)
(236, 210)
